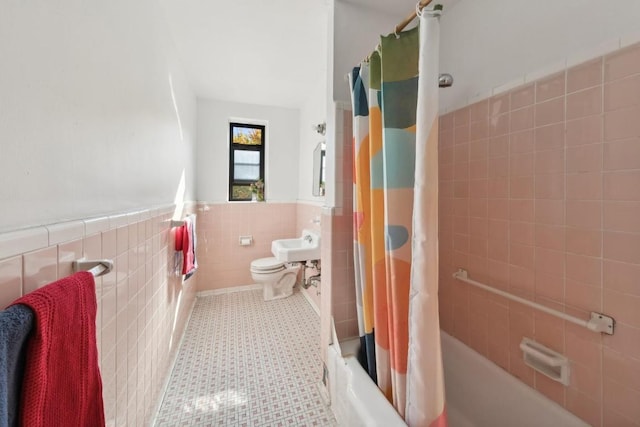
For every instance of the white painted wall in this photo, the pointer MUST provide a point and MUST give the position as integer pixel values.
(313, 112)
(489, 43)
(332, 182)
(282, 148)
(87, 117)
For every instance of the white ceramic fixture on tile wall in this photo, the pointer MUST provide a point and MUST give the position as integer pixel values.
(278, 274)
(277, 278)
(303, 248)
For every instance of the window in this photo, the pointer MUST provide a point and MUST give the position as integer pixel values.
(246, 159)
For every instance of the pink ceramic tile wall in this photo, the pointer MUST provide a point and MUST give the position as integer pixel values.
(342, 275)
(309, 217)
(139, 320)
(223, 262)
(326, 297)
(540, 195)
(342, 279)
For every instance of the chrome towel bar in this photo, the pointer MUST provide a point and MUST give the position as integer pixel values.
(597, 323)
(98, 267)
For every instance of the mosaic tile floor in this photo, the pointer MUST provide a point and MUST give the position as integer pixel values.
(247, 362)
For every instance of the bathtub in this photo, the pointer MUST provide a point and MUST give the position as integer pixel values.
(479, 393)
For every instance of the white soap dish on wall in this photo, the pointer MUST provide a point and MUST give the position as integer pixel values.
(546, 361)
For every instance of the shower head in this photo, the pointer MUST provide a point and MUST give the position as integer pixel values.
(445, 80)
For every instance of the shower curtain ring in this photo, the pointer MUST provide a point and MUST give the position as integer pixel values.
(418, 9)
(395, 32)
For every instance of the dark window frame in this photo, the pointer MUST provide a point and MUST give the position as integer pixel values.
(256, 148)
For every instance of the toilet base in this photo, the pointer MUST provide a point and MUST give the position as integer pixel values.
(280, 289)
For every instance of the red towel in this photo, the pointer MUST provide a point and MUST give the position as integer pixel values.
(188, 247)
(62, 384)
(179, 232)
(185, 242)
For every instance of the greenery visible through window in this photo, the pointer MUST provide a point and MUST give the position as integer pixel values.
(246, 159)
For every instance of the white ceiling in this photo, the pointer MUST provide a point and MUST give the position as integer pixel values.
(263, 52)
(252, 51)
(401, 8)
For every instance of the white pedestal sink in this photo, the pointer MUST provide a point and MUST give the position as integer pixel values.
(303, 248)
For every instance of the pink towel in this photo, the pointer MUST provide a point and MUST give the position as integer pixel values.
(62, 384)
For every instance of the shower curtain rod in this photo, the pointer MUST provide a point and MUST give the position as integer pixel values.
(421, 5)
(401, 26)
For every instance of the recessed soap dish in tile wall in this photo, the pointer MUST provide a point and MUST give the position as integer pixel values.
(546, 361)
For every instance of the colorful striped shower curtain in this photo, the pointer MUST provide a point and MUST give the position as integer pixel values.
(395, 220)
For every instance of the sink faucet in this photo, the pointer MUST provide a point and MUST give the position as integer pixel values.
(308, 238)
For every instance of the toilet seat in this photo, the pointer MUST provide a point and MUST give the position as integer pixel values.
(267, 265)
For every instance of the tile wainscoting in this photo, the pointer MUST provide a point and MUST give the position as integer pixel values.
(142, 305)
(539, 195)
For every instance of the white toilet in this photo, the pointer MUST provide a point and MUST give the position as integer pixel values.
(278, 278)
